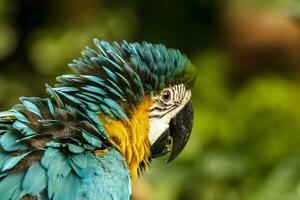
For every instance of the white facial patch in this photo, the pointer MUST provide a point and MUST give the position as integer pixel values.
(165, 107)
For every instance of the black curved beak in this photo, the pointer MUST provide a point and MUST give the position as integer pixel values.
(178, 134)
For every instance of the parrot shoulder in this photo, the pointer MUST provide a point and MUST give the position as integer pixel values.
(47, 151)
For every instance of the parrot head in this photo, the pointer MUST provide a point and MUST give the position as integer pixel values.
(140, 95)
(171, 121)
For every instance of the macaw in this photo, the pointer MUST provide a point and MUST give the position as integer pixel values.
(99, 128)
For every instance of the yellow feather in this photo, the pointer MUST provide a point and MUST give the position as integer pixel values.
(131, 138)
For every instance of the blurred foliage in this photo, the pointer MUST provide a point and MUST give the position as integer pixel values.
(245, 142)
(246, 136)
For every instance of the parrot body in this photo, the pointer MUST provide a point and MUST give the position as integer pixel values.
(93, 135)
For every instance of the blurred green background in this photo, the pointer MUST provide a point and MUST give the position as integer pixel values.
(246, 139)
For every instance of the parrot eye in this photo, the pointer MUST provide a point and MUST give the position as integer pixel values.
(166, 95)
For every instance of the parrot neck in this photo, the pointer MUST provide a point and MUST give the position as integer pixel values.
(131, 137)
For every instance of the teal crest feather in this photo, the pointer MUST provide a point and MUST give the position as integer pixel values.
(114, 78)
(47, 144)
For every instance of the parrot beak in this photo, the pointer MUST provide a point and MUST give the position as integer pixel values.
(178, 134)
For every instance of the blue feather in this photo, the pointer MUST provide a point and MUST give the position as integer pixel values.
(67, 89)
(54, 185)
(35, 179)
(89, 147)
(30, 106)
(105, 109)
(13, 161)
(92, 140)
(59, 166)
(113, 91)
(19, 125)
(116, 87)
(69, 97)
(79, 160)
(8, 142)
(135, 97)
(70, 187)
(19, 116)
(3, 158)
(50, 107)
(99, 44)
(9, 185)
(55, 144)
(81, 172)
(117, 108)
(93, 96)
(54, 96)
(68, 78)
(88, 52)
(19, 192)
(94, 79)
(23, 128)
(123, 78)
(26, 138)
(92, 106)
(94, 89)
(86, 98)
(62, 187)
(98, 125)
(112, 62)
(48, 156)
(80, 65)
(75, 148)
(5, 113)
(110, 74)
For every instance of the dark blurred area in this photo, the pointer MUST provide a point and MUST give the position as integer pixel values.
(245, 143)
